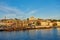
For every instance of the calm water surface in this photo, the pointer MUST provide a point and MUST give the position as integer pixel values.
(41, 34)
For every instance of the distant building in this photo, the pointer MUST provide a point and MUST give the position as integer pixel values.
(50, 24)
(32, 18)
(44, 23)
(58, 23)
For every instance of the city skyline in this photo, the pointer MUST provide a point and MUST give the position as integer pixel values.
(27, 8)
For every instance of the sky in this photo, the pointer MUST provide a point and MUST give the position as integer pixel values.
(47, 9)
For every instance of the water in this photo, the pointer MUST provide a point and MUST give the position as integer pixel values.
(41, 34)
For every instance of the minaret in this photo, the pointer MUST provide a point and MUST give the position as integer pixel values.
(5, 21)
(5, 18)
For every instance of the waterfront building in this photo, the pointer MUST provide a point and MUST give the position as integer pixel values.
(50, 24)
(44, 23)
(58, 23)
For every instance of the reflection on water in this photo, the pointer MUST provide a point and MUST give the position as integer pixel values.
(42, 34)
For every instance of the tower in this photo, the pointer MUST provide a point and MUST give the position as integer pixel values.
(5, 18)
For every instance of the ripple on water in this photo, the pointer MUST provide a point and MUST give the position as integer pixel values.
(41, 34)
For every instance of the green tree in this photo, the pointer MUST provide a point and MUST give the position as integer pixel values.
(38, 23)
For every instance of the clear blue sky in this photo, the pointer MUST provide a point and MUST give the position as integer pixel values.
(27, 8)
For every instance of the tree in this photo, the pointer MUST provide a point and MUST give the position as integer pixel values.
(27, 18)
(38, 23)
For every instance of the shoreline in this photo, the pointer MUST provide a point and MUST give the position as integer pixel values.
(23, 29)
